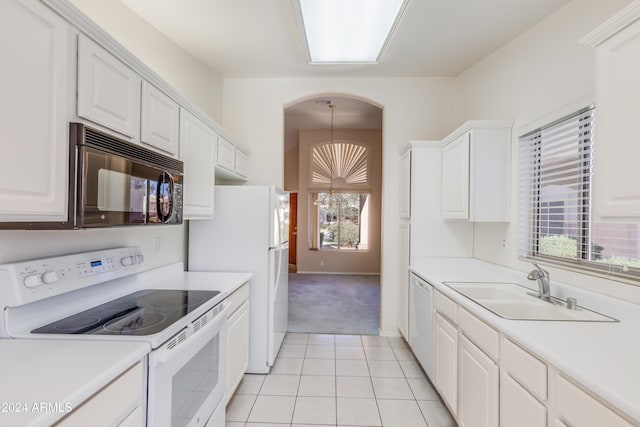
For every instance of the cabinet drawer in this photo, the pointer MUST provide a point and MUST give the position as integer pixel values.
(111, 404)
(446, 307)
(237, 298)
(483, 335)
(528, 370)
(577, 408)
(518, 407)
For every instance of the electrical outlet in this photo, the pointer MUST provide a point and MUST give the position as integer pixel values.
(506, 246)
(321, 263)
(158, 247)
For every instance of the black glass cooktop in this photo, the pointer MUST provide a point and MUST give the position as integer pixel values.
(140, 313)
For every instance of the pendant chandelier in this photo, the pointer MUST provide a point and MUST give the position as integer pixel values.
(330, 200)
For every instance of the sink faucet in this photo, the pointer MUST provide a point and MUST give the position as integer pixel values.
(543, 278)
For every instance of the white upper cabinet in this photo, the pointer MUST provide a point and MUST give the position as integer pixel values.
(198, 152)
(616, 194)
(455, 178)
(405, 185)
(232, 163)
(108, 90)
(34, 42)
(476, 167)
(160, 120)
(226, 154)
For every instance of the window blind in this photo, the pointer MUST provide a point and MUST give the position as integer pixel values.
(555, 188)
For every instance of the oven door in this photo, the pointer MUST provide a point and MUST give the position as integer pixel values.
(115, 190)
(187, 374)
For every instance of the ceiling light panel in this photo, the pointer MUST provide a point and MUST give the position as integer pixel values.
(339, 31)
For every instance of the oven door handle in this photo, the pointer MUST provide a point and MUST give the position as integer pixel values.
(196, 340)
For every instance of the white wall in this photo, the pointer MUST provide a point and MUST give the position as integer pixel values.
(413, 108)
(541, 75)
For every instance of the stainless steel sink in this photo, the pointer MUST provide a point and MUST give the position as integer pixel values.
(512, 301)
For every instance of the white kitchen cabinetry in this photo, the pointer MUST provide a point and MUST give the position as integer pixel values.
(478, 372)
(405, 185)
(119, 403)
(237, 339)
(577, 408)
(446, 361)
(616, 195)
(108, 90)
(197, 151)
(518, 407)
(160, 120)
(232, 163)
(34, 42)
(479, 378)
(403, 280)
(476, 162)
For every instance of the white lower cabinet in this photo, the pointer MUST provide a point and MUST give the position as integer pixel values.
(119, 403)
(446, 361)
(577, 408)
(237, 339)
(478, 396)
(518, 407)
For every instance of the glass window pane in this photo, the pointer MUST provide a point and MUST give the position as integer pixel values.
(344, 223)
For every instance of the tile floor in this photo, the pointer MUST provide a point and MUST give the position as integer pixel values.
(339, 380)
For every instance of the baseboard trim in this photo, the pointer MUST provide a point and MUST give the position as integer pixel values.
(350, 273)
(395, 333)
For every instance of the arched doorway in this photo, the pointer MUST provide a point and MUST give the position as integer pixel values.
(335, 250)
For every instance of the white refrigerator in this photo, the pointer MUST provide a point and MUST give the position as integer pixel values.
(250, 233)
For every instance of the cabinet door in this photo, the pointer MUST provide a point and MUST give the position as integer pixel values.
(242, 164)
(518, 407)
(237, 348)
(34, 42)
(197, 151)
(403, 281)
(160, 120)
(226, 154)
(616, 193)
(577, 408)
(446, 363)
(405, 186)
(108, 90)
(479, 377)
(455, 179)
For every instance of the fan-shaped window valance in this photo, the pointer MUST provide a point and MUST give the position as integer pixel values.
(340, 160)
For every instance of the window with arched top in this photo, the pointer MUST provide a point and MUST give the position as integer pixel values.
(341, 161)
(339, 216)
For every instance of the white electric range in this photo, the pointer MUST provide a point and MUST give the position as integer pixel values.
(108, 295)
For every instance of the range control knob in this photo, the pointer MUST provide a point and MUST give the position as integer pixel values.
(49, 277)
(140, 259)
(32, 280)
(126, 261)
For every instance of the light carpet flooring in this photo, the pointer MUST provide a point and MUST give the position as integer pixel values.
(334, 303)
(327, 380)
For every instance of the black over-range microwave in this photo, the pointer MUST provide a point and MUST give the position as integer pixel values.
(113, 182)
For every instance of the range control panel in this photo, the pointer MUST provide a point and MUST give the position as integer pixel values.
(43, 278)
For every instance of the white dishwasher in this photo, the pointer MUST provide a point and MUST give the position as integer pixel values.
(421, 322)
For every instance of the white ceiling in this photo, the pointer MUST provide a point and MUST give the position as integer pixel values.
(261, 38)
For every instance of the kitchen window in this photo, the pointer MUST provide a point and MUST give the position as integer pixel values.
(555, 198)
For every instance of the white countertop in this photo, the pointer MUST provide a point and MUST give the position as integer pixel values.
(58, 373)
(603, 357)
